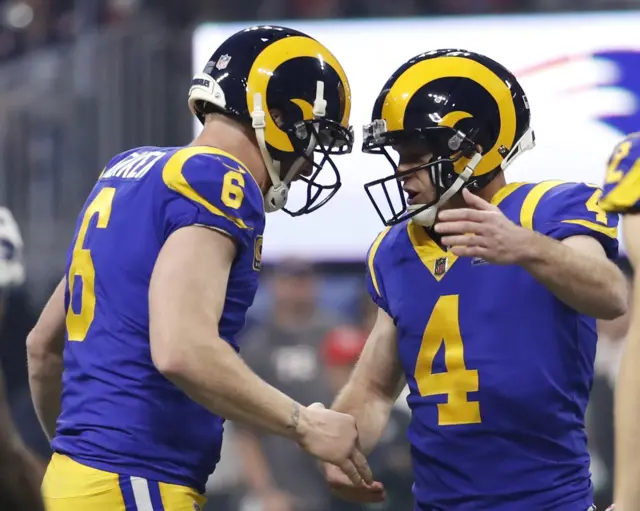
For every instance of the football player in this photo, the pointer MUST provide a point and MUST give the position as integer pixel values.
(161, 271)
(19, 471)
(487, 295)
(622, 195)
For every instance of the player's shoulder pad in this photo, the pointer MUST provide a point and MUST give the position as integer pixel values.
(562, 209)
(621, 189)
(219, 185)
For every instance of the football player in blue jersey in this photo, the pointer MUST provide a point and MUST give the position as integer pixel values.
(487, 295)
(621, 194)
(19, 470)
(161, 271)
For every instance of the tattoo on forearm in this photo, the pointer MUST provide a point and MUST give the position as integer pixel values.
(295, 417)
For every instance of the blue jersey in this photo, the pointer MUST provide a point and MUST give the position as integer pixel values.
(499, 369)
(622, 183)
(119, 414)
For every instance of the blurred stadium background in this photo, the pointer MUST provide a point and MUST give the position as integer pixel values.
(81, 80)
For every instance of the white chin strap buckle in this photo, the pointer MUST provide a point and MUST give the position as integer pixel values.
(278, 193)
(427, 217)
(276, 198)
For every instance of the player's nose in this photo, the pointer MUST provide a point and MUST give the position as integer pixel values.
(407, 177)
(403, 166)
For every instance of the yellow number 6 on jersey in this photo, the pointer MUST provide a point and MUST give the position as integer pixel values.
(457, 381)
(82, 267)
(232, 189)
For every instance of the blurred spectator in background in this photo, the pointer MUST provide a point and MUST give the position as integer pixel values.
(14, 305)
(11, 250)
(225, 486)
(600, 429)
(21, 472)
(284, 351)
(391, 459)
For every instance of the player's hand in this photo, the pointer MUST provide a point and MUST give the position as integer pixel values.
(482, 230)
(332, 437)
(342, 486)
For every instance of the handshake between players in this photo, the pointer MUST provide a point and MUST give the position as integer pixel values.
(333, 437)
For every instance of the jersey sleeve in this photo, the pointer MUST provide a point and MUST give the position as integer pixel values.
(621, 189)
(375, 286)
(573, 209)
(213, 190)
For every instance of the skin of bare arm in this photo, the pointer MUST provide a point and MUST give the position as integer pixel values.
(369, 395)
(627, 392)
(186, 299)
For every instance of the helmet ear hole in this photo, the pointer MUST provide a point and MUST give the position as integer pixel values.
(205, 93)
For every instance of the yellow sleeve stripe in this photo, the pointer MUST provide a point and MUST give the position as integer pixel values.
(175, 180)
(371, 258)
(612, 232)
(626, 194)
(504, 192)
(532, 199)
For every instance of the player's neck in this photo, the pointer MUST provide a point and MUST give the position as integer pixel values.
(493, 187)
(230, 136)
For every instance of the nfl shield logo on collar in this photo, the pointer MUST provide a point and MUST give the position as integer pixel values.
(440, 267)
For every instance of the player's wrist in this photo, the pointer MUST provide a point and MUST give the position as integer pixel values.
(528, 247)
(298, 425)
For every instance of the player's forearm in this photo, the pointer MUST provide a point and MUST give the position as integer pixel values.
(45, 382)
(587, 283)
(45, 345)
(213, 374)
(374, 384)
(627, 413)
(370, 409)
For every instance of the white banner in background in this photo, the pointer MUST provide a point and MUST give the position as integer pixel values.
(580, 72)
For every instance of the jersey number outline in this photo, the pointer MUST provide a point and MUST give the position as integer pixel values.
(232, 189)
(614, 174)
(82, 266)
(593, 206)
(443, 328)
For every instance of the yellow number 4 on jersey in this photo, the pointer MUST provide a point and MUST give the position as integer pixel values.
(444, 328)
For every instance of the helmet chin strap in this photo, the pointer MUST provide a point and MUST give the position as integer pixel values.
(278, 193)
(427, 217)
